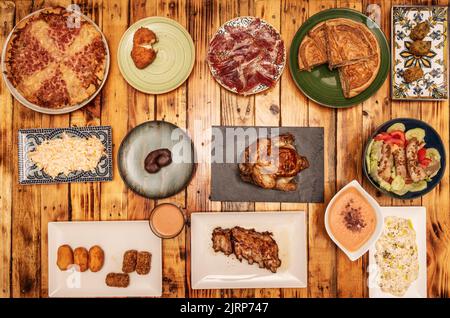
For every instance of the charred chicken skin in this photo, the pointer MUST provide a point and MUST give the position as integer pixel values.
(272, 163)
(248, 244)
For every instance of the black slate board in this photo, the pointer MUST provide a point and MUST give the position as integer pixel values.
(226, 184)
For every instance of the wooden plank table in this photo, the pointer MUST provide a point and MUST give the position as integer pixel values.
(26, 210)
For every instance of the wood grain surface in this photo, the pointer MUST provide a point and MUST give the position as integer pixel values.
(196, 106)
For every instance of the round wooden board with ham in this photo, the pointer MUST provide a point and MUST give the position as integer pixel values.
(246, 55)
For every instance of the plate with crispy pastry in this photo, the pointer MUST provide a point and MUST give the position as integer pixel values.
(348, 42)
(156, 55)
(339, 58)
(248, 250)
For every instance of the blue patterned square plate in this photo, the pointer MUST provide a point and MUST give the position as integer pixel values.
(434, 83)
(29, 173)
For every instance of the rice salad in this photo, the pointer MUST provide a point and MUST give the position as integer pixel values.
(396, 256)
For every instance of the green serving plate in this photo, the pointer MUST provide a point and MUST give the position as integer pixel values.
(174, 60)
(322, 85)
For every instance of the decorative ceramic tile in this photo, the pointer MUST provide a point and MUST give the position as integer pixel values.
(434, 84)
(29, 173)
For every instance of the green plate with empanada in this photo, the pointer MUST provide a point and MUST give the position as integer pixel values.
(321, 84)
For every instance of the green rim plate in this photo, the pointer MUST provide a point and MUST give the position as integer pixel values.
(322, 85)
(174, 61)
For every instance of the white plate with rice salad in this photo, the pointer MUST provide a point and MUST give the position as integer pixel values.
(398, 260)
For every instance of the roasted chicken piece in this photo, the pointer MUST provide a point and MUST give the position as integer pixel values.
(272, 163)
(416, 172)
(248, 244)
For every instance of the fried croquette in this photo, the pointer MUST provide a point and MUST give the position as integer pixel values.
(412, 74)
(142, 57)
(81, 258)
(420, 47)
(96, 258)
(129, 261)
(65, 257)
(143, 263)
(420, 31)
(117, 280)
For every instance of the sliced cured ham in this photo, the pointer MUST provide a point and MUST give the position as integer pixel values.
(246, 55)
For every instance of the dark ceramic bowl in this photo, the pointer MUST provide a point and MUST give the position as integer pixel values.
(432, 140)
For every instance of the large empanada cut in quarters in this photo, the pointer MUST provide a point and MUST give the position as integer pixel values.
(313, 49)
(357, 77)
(349, 42)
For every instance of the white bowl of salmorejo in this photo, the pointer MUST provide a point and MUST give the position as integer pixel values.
(353, 220)
(167, 220)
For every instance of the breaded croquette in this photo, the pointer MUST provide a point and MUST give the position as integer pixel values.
(420, 48)
(143, 263)
(81, 258)
(65, 257)
(96, 258)
(129, 261)
(420, 31)
(412, 74)
(117, 280)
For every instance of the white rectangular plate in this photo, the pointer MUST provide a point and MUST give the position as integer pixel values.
(211, 270)
(418, 289)
(114, 237)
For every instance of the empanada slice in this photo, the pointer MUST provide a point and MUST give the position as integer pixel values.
(313, 49)
(348, 42)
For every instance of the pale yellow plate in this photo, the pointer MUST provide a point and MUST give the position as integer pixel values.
(174, 60)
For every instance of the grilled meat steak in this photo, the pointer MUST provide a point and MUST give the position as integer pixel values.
(416, 172)
(248, 244)
(386, 162)
(222, 241)
(400, 162)
(272, 163)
